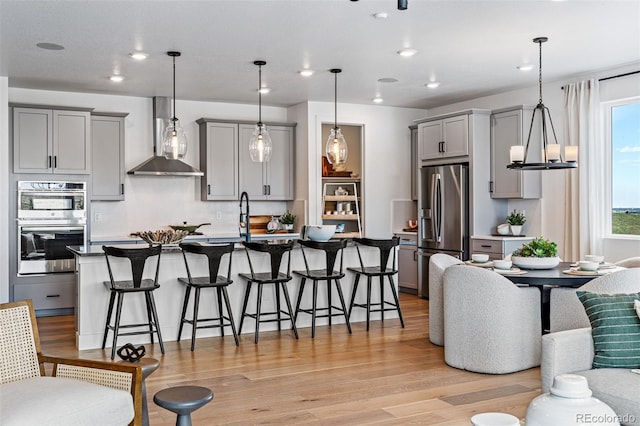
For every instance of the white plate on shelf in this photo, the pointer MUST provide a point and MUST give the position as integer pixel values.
(487, 264)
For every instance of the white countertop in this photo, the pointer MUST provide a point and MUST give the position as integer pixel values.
(502, 237)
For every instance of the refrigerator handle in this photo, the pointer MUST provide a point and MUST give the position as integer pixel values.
(434, 216)
(437, 222)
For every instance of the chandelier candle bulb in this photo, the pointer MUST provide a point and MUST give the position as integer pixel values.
(553, 152)
(571, 153)
(516, 154)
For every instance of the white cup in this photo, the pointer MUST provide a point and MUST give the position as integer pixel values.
(480, 257)
(502, 264)
(328, 212)
(594, 258)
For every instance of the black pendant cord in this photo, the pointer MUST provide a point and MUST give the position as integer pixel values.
(260, 95)
(540, 70)
(174, 119)
(335, 102)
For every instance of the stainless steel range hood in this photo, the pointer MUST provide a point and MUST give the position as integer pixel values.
(159, 165)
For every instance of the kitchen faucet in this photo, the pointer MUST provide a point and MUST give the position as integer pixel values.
(244, 217)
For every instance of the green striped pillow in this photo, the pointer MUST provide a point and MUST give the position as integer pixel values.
(615, 329)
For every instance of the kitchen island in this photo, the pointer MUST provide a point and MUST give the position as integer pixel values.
(93, 297)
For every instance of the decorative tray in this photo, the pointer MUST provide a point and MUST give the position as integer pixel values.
(573, 271)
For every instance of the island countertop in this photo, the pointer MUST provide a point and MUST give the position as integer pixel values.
(93, 295)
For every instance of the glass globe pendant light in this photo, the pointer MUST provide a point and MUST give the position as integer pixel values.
(336, 148)
(174, 140)
(260, 144)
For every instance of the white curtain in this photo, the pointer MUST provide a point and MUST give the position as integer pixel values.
(585, 186)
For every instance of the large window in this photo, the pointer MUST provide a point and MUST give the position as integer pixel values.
(623, 132)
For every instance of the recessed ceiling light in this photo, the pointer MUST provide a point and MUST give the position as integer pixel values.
(407, 52)
(380, 15)
(50, 46)
(116, 78)
(527, 67)
(306, 73)
(378, 100)
(387, 80)
(264, 90)
(138, 56)
(433, 85)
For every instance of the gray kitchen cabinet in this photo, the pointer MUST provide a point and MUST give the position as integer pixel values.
(48, 296)
(444, 138)
(219, 160)
(51, 140)
(497, 247)
(510, 126)
(408, 264)
(274, 179)
(107, 156)
(415, 169)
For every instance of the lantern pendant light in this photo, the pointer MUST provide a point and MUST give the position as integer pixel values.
(336, 148)
(552, 158)
(174, 141)
(260, 144)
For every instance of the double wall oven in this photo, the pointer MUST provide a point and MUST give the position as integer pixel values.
(51, 216)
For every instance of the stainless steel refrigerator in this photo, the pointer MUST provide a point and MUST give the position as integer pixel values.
(443, 225)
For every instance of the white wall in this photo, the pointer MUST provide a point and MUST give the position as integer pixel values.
(546, 216)
(386, 155)
(5, 223)
(157, 201)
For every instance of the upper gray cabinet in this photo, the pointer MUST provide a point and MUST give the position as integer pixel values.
(219, 160)
(107, 153)
(510, 126)
(272, 180)
(444, 138)
(51, 141)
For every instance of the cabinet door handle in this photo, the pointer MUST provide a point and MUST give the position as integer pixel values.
(49, 161)
(122, 189)
(208, 189)
(444, 146)
(415, 255)
(490, 186)
(55, 161)
(268, 189)
(485, 246)
(53, 295)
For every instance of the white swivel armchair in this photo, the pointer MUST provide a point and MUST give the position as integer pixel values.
(437, 265)
(631, 262)
(490, 324)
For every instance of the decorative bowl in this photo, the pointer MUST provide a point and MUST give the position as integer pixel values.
(163, 236)
(594, 258)
(503, 229)
(502, 264)
(480, 257)
(320, 232)
(588, 265)
(535, 262)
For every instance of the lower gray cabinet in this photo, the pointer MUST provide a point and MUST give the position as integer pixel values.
(408, 264)
(56, 295)
(107, 156)
(498, 247)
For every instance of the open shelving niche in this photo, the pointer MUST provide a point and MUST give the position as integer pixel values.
(352, 222)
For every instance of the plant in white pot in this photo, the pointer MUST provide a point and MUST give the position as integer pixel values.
(516, 220)
(538, 254)
(287, 220)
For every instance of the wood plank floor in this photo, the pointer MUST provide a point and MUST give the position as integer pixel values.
(390, 376)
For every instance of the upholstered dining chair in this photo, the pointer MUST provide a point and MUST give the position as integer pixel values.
(79, 392)
(437, 265)
(631, 262)
(490, 324)
(567, 313)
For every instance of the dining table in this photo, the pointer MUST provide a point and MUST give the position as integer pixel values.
(546, 279)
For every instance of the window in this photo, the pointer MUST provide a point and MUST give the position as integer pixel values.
(622, 127)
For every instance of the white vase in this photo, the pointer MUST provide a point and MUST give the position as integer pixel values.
(515, 229)
(569, 403)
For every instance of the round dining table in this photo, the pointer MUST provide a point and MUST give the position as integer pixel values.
(546, 279)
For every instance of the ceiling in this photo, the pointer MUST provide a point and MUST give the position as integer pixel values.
(471, 48)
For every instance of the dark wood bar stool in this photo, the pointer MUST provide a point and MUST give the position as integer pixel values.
(214, 254)
(137, 258)
(332, 250)
(385, 247)
(275, 277)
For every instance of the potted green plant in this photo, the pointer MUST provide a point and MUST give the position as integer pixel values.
(516, 220)
(287, 220)
(538, 254)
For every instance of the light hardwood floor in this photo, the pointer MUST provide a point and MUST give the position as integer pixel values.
(389, 375)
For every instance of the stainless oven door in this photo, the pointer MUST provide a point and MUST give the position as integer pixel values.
(42, 247)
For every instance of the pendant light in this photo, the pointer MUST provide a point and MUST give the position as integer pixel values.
(336, 148)
(552, 158)
(174, 141)
(260, 144)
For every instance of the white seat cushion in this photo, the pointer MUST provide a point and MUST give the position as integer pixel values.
(52, 401)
